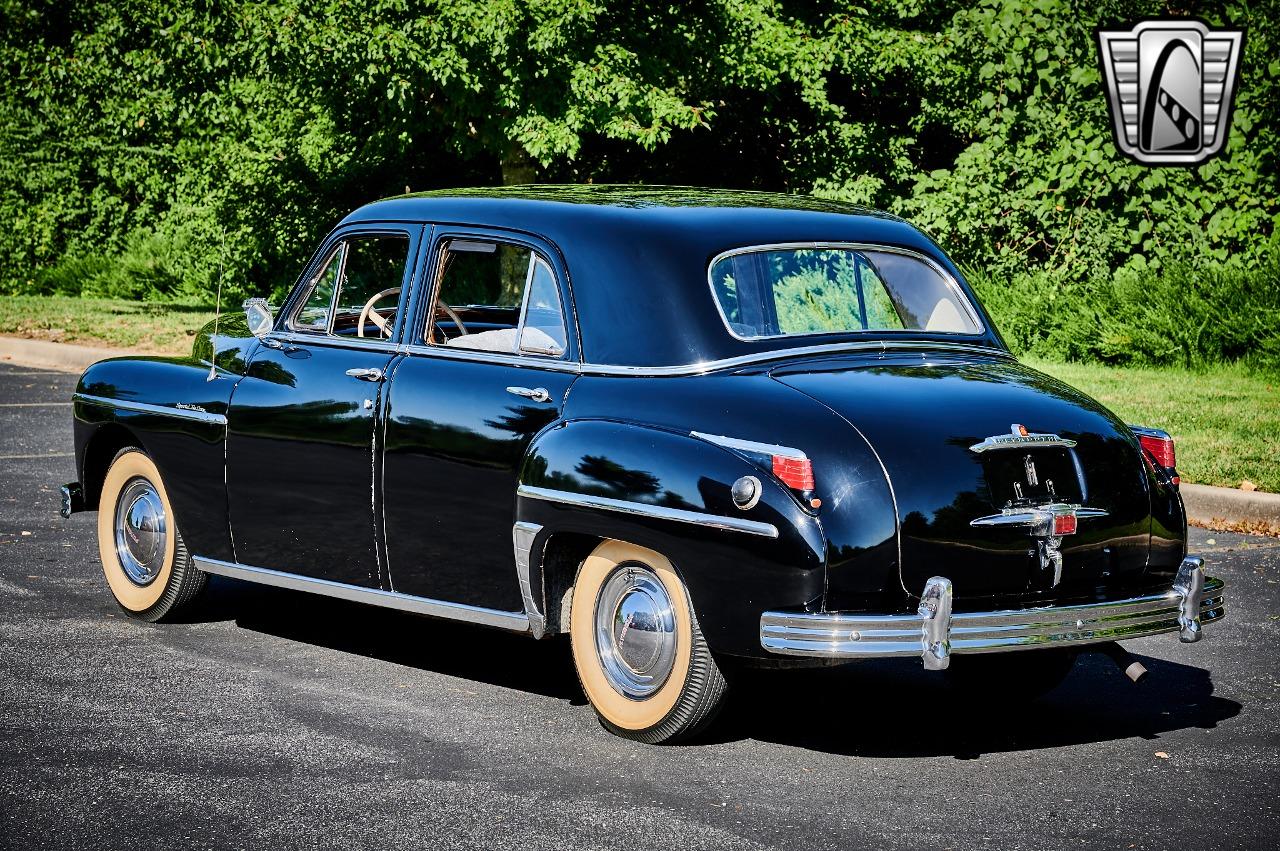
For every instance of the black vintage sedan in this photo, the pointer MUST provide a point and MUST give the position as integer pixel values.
(692, 429)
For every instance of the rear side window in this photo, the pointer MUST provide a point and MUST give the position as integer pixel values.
(497, 297)
(781, 292)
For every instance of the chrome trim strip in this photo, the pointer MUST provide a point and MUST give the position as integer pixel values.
(522, 537)
(1039, 518)
(957, 290)
(148, 408)
(644, 509)
(514, 621)
(703, 367)
(846, 635)
(750, 445)
(478, 355)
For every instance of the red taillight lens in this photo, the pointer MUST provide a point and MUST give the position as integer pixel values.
(1161, 449)
(795, 473)
(1064, 524)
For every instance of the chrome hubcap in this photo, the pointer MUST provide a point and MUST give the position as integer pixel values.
(635, 631)
(141, 531)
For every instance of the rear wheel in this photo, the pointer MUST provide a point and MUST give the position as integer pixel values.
(143, 557)
(638, 649)
(1023, 675)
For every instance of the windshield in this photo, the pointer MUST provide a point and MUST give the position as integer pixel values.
(779, 292)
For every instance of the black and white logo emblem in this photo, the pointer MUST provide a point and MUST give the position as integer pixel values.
(1169, 86)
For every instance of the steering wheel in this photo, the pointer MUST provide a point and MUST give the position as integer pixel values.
(452, 314)
(368, 314)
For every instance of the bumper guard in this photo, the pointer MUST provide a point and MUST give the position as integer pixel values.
(934, 633)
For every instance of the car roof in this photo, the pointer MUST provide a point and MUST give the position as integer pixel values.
(638, 256)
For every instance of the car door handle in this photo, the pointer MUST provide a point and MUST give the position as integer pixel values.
(537, 394)
(370, 374)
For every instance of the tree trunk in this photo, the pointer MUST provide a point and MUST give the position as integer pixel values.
(517, 166)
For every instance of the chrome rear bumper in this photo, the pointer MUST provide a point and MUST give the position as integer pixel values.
(934, 633)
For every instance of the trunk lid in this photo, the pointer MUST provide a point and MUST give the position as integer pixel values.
(922, 413)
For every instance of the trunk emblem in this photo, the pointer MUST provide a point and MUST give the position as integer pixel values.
(1018, 438)
(1047, 524)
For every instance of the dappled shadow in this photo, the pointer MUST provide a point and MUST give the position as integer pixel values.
(873, 709)
(895, 709)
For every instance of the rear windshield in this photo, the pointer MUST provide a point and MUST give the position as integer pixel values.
(779, 292)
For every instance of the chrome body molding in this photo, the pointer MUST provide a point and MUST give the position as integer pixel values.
(644, 509)
(749, 445)
(934, 633)
(522, 537)
(514, 621)
(876, 346)
(185, 413)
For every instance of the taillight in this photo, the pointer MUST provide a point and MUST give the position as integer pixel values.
(1161, 449)
(795, 473)
(1064, 524)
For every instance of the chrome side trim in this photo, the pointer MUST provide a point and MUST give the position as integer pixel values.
(514, 621)
(750, 445)
(703, 367)
(522, 537)
(847, 635)
(952, 283)
(644, 509)
(147, 408)
(527, 360)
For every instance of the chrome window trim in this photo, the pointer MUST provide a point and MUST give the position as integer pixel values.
(148, 408)
(503, 358)
(339, 252)
(750, 445)
(644, 509)
(335, 342)
(947, 277)
(879, 346)
(514, 621)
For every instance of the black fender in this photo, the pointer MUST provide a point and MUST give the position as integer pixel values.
(670, 492)
(170, 409)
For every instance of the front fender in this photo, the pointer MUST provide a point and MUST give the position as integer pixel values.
(670, 492)
(169, 408)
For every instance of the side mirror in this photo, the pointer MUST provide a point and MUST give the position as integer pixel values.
(259, 317)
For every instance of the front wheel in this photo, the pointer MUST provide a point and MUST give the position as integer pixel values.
(638, 649)
(146, 564)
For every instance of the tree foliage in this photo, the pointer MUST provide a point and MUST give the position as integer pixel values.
(152, 147)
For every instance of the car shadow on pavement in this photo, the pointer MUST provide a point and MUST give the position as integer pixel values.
(894, 709)
(877, 709)
(454, 649)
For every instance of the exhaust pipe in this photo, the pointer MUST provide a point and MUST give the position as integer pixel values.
(1125, 661)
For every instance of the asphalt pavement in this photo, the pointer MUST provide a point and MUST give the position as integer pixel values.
(275, 719)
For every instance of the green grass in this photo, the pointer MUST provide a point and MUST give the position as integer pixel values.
(153, 327)
(1225, 420)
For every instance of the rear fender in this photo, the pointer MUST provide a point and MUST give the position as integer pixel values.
(670, 492)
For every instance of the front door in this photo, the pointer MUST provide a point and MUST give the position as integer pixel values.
(302, 443)
(487, 370)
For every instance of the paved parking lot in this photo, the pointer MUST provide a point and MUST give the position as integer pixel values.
(274, 719)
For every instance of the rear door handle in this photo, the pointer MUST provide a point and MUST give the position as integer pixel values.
(537, 394)
(370, 374)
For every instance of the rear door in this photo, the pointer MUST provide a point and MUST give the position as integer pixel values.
(302, 440)
(488, 365)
